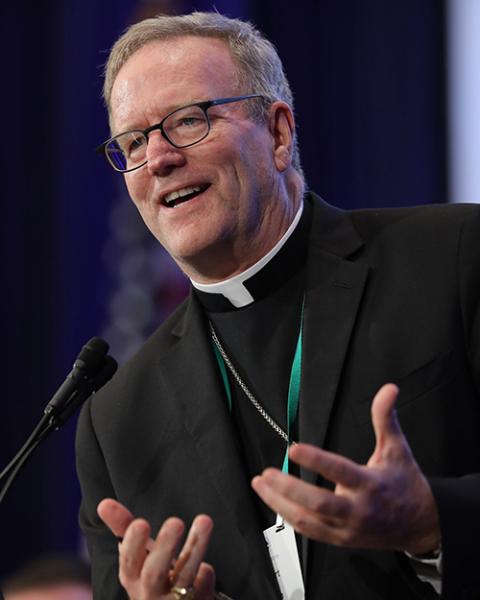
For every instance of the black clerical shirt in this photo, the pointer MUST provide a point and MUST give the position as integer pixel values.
(260, 340)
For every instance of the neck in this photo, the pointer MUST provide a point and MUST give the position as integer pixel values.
(234, 288)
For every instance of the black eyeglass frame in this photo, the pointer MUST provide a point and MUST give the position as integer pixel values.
(204, 106)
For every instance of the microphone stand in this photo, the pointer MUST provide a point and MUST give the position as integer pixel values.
(92, 370)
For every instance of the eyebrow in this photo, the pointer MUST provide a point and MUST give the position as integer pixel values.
(167, 112)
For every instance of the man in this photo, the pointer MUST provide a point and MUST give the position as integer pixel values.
(298, 314)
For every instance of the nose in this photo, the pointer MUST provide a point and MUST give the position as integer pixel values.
(161, 156)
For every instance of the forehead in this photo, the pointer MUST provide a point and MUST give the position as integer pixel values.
(163, 75)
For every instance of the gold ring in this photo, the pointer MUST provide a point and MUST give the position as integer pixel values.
(183, 593)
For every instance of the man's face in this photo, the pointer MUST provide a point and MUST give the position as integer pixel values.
(239, 212)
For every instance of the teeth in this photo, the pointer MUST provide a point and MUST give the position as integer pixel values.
(169, 198)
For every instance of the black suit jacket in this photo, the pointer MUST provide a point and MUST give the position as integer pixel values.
(391, 295)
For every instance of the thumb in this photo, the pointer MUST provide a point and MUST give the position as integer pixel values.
(388, 433)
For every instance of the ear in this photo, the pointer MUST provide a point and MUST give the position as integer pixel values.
(282, 127)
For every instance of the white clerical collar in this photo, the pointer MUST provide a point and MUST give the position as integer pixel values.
(233, 289)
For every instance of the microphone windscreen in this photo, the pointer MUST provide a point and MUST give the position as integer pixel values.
(92, 356)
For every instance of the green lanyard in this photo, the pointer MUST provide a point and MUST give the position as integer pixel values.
(293, 388)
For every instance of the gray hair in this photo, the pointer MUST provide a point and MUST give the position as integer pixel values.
(260, 69)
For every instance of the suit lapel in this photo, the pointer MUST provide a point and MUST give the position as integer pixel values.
(332, 299)
(192, 376)
(334, 290)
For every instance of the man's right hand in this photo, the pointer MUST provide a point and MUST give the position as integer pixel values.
(150, 569)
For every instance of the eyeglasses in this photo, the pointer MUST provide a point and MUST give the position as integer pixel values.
(182, 128)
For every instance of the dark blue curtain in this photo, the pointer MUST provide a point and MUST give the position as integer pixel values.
(55, 200)
(369, 84)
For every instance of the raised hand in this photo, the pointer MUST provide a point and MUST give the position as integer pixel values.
(385, 504)
(150, 569)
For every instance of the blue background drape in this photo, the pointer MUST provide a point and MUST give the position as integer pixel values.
(369, 82)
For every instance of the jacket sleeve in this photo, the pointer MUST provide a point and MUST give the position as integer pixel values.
(95, 484)
(458, 499)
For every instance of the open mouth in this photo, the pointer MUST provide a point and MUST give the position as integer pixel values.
(178, 197)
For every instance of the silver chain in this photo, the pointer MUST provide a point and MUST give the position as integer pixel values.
(273, 424)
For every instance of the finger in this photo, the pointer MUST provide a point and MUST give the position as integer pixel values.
(204, 583)
(157, 565)
(301, 519)
(133, 550)
(115, 516)
(289, 509)
(333, 467)
(193, 551)
(316, 499)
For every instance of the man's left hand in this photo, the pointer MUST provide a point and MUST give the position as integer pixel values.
(385, 504)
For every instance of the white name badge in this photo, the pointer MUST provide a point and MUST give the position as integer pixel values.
(282, 548)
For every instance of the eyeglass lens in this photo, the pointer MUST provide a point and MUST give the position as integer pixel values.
(184, 127)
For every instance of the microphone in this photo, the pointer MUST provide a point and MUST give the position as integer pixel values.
(91, 370)
(87, 387)
(86, 365)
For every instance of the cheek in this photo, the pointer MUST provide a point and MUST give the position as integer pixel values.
(238, 171)
(254, 173)
(137, 188)
(131, 187)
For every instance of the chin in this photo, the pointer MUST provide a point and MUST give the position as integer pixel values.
(198, 258)
(187, 253)
(192, 241)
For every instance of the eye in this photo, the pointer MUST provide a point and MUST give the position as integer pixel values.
(186, 126)
(134, 144)
(188, 121)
